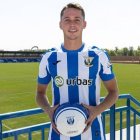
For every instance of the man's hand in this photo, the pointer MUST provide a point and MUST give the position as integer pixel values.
(93, 113)
(50, 112)
(109, 100)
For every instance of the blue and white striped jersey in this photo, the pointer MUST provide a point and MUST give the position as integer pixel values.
(76, 77)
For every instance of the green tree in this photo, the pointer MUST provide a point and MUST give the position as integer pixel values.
(116, 50)
(138, 51)
(125, 51)
(112, 53)
(131, 51)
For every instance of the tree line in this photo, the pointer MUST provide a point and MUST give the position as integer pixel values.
(126, 51)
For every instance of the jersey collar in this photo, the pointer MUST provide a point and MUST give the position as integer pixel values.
(78, 50)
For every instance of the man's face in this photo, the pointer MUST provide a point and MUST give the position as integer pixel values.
(72, 23)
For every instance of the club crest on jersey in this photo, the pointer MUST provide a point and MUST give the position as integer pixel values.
(88, 61)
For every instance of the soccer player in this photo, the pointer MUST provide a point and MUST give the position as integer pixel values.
(75, 71)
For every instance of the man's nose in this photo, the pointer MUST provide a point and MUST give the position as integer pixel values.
(72, 22)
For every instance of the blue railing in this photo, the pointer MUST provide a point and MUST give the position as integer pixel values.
(130, 109)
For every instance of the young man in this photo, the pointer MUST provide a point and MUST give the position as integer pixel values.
(75, 71)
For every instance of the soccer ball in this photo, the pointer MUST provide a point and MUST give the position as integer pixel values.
(70, 119)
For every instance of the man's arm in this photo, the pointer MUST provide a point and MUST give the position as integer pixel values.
(112, 96)
(41, 97)
(109, 100)
(43, 102)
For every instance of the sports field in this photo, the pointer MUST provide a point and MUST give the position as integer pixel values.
(18, 88)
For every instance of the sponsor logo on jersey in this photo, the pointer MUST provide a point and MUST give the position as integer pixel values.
(78, 81)
(88, 61)
(59, 81)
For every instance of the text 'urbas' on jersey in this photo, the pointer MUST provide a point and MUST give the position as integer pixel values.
(59, 81)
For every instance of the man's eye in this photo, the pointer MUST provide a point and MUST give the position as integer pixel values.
(77, 20)
(66, 20)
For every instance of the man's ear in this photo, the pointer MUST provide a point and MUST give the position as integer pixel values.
(60, 25)
(84, 25)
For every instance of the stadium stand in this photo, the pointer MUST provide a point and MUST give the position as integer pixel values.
(35, 56)
(20, 56)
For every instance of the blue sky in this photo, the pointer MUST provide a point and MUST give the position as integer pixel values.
(28, 23)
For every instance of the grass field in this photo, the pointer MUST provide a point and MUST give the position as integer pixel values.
(18, 87)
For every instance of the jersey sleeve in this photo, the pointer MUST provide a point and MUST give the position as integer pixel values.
(106, 72)
(44, 76)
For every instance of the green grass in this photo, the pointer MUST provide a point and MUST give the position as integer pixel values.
(18, 88)
(128, 77)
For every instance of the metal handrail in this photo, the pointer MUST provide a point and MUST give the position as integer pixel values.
(28, 112)
(112, 111)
